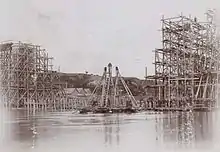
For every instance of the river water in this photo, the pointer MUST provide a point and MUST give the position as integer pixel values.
(23, 131)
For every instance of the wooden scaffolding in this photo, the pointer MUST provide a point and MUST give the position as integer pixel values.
(187, 65)
(28, 79)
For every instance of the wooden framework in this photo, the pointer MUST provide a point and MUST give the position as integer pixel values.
(111, 93)
(187, 66)
(28, 79)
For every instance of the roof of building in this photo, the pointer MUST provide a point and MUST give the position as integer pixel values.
(77, 91)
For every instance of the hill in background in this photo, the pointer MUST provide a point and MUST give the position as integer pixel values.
(81, 80)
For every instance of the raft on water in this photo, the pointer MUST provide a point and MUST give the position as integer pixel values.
(107, 110)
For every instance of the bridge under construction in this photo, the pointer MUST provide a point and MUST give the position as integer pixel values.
(28, 80)
(188, 64)
(186, 74)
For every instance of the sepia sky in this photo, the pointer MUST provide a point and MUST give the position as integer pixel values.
(85, 35)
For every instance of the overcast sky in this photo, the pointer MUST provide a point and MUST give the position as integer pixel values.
(84, 35)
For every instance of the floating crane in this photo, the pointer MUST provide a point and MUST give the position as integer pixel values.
(111, 95)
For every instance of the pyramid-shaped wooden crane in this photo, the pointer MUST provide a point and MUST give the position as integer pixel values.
(111, 94)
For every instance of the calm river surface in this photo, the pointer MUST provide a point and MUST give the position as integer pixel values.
(23, 131)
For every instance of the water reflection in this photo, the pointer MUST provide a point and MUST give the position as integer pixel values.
(111, 128)
(186, 129)
(46, 131)
(24, 127)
